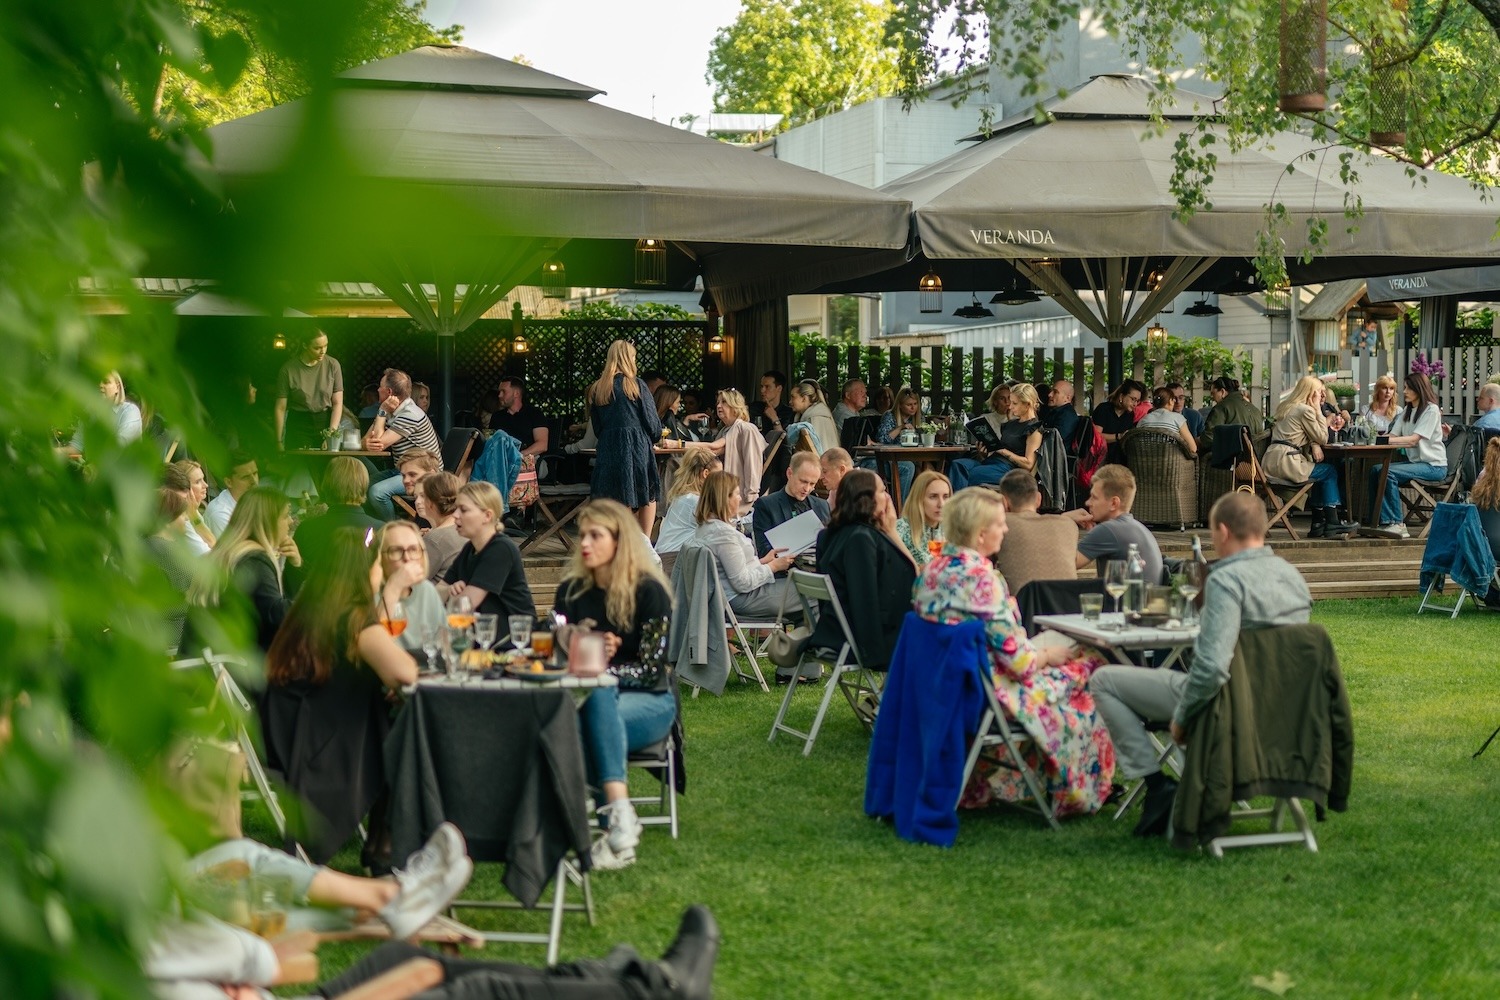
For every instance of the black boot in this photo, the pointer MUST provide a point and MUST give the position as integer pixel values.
(1336, 526)
(689, 960)
(1319, 523)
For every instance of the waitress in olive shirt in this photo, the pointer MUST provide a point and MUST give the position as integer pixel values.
(488, 568)
(309, 395)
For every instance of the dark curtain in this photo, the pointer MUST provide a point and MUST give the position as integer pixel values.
(757, 341)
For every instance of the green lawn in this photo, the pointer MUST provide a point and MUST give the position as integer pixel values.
(1403, 899)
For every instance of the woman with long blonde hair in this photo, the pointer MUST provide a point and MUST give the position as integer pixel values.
(1020, 438)
(905, 414)
(1295, 455)
(255, 547)
(625, 422)
(921, 521)
(750, 584)
(679, 522)
(1384, 405)
(612, 585)
(186, 477)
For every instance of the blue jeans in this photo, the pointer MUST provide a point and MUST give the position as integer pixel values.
(975, 472)
(380, 492)
(1401, 474)
(616, 722)
(905, 471)
(1327, 478)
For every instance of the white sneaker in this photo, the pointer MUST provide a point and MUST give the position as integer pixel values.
(433, 876)
(1394, 529)
(606, 859)
(624, 825)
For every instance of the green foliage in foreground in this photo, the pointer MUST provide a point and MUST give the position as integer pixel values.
(818, 901)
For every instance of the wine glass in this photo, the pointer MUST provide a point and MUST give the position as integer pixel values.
(393, 617)
(1115, 584)
(485, 627)
(431, 636)
(1190, 585)
(520, 631)
(460, 640)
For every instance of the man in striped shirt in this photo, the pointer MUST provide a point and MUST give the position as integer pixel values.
(400, 427)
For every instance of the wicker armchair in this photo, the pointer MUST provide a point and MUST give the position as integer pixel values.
(1166, 478)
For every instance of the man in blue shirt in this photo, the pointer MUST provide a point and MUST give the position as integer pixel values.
(1489, 408)
(1249, 587)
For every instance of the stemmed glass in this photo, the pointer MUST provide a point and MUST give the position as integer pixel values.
(485, 627)
(430, 637)
(460, 620)
(393, 617)
(1115, 585)
(1190, 585)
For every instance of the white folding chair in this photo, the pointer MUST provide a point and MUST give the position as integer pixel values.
(1000, 740)
(568, 873)
(849, 673)
(661, 760)
(732, 620)
(1276, 812)
(228, 690)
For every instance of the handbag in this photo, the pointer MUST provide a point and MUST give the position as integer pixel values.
(784, 647)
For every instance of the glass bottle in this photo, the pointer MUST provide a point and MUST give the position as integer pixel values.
(1135, 580)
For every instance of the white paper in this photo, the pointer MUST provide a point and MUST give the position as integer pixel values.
(797, 535)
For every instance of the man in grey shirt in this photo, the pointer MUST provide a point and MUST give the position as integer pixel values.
(1109, 529)
(856, 396)
(1249, 587)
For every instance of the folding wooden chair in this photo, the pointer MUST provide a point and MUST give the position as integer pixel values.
(227, 691)
(849, 673)
(1281, 496)
(1000, 740)
(1420, 499)
(461, 447)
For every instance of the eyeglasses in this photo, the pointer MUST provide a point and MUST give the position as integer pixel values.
(410, 552)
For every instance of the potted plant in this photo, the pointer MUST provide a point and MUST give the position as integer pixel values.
(929, 434)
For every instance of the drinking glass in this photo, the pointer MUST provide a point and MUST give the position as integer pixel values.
(460, 612)
(1115, 585)
(1091, 605)
(460, 640)
(431, 638)
(270, 898)
(520, 631)
(485, 627)
(1190, 585)
(393, 618)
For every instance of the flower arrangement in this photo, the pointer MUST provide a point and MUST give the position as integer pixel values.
(1432, 368)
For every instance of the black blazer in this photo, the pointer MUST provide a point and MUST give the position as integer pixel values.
(873, 577)
(776, 508)
(255, 576)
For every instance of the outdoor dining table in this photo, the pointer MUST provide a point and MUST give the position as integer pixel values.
(1361, 458)
(1116, 642)
(503, 761)
(888, 456)
(346, 452)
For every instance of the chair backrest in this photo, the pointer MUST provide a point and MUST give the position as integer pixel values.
(1052, 471)
(814, 587)
(460, 447)
(857, 431)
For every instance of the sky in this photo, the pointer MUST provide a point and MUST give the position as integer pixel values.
(650, 56)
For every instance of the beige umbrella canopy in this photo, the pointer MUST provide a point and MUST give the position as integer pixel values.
(1081, 205)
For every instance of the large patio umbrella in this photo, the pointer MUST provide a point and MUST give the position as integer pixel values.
(455, 168)
(1080, 205)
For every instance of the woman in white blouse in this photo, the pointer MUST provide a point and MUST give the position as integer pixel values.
(750, 584)
(681, 518)
(1419, 429)
(1383, 407)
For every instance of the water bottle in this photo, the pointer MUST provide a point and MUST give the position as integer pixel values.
(1135, 581)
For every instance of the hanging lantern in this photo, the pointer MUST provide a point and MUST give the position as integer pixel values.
(279, 343)
(716, 343)
(1390, 89)
(554, 280)
(1302, 72)
(519, 345)
(930, 297)
(1156, 337)
(650, 262)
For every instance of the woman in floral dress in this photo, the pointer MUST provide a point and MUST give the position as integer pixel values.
(1043, 686)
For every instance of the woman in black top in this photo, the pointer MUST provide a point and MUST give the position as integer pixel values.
(254, 549)
(674, 432)
(324, 713)
(1116, 415)
(613, 582)
(1020, 437)
(488, 568)
(871, 571)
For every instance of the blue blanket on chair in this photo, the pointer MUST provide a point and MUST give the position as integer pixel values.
(933, 699)
(1457, 547)
(499, 463)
